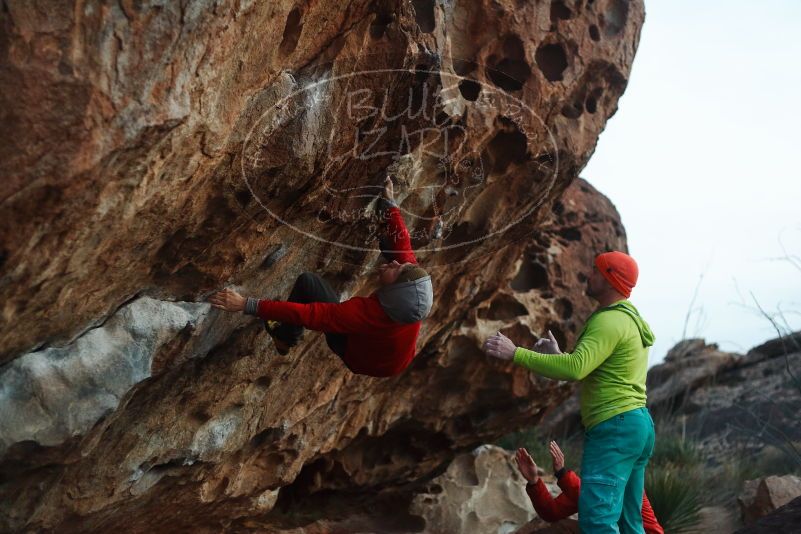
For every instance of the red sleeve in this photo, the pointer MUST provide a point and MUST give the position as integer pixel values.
(649, 522)
(547, 507)
(355, 315)
(570, 484)
(398, 239)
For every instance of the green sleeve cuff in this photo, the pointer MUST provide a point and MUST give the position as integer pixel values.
(523, 357)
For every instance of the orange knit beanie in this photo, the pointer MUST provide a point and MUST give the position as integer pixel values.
(619, 269)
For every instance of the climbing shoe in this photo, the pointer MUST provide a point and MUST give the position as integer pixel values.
(281, 346)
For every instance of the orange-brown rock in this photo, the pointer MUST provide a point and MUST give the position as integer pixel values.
(154, 153)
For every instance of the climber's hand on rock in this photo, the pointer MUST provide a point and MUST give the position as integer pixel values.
(500, 346)
(389, 189)
(228, 300)
(547, 345)
(526, 465)
(557, 455)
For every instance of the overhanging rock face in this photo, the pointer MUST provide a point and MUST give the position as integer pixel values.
(152, 154)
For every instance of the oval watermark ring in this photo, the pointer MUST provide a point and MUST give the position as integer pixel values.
(280, 115)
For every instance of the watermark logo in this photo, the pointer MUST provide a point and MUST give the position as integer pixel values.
(456, 149)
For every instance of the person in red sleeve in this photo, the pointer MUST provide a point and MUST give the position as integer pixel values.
(566, 503)
(374, 335)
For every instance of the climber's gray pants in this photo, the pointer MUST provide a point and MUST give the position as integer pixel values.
(311, 288)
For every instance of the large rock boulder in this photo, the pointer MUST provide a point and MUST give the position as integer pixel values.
(762, 496)
(155, 152)
(739, 407)
(786, 520)
(480, 491)
(484, 492)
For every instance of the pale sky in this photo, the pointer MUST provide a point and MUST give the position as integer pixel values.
(701, 161)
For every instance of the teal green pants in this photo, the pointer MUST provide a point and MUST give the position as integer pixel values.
(616, 452)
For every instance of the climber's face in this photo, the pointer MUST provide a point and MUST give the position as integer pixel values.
(596, 284)
(388, 272)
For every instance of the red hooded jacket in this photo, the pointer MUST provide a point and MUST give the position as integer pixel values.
(566, 503)
(376, 345)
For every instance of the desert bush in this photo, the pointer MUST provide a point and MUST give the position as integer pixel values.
(671, 448)
(676, 496)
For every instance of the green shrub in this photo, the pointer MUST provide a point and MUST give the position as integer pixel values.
(673, 449)
(676, 496)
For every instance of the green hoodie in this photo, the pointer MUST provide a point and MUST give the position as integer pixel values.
(610, 360)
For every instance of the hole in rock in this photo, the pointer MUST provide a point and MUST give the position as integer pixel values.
(552, 61)
(530, 276)
(616, 17)
(419, 98)
(520, 334)
(592, 100)
(572, 111)
(291, 32)
(421, 72)
(545, 159)
(571, 234)
(559, 11)
(595, 34)
(470, 89)
(512, 71)
(503, 308)
(508, 146)
(424, 15)
(379, 25)
(564, 308)
(442, 119)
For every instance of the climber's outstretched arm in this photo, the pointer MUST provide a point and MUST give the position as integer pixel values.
(397, 244)
(349, 317)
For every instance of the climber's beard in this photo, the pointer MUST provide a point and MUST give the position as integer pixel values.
(596, 285)
(588, 290)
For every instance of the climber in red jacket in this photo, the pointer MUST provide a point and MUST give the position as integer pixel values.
(374, 335)
(566, 503)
